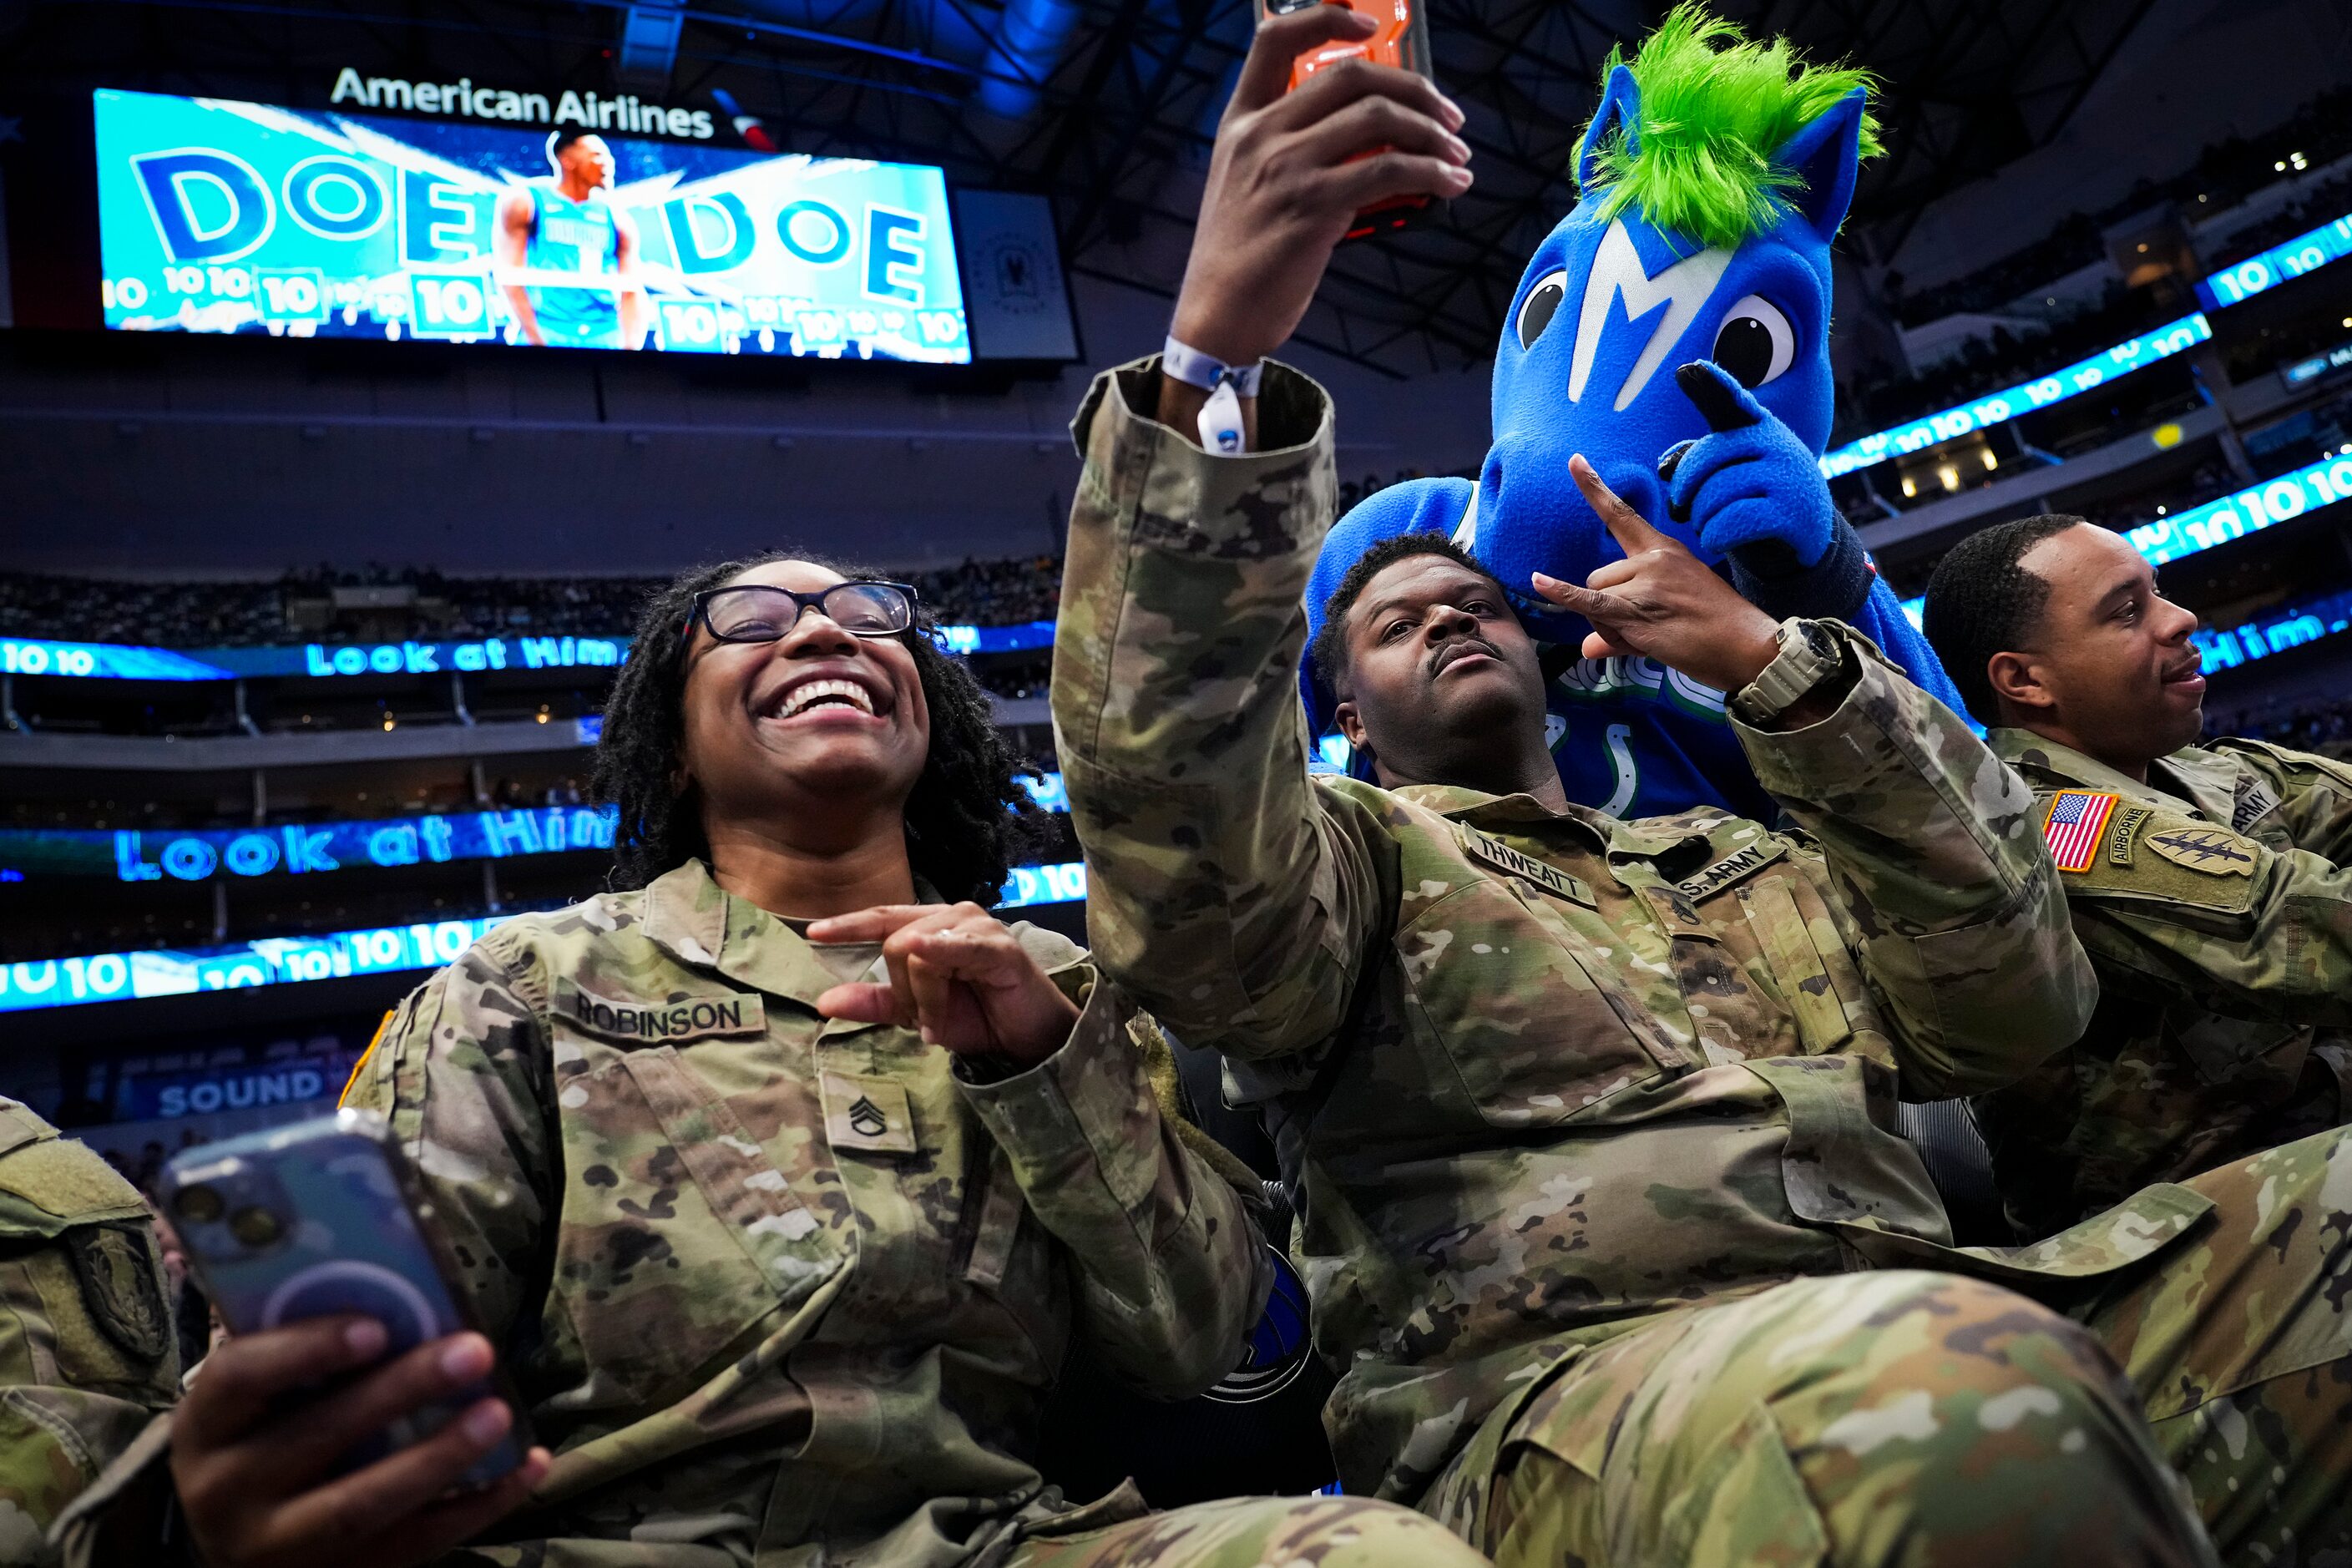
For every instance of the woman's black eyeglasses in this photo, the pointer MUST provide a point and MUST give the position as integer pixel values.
(758, 612)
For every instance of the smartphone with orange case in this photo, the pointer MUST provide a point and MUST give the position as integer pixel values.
(1402, 41)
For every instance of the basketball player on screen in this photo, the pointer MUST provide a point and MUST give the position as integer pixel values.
(563, 224)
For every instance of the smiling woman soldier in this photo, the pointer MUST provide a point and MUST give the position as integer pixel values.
(782, 1180)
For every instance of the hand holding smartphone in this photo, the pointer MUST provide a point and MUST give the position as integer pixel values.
(1291, 175)
(353, 1416)
(1401, 40)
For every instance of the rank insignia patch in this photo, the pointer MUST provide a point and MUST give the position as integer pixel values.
(2075, 819)
(2212, 850)
(119, 1288)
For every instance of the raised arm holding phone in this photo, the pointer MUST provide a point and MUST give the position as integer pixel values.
(1590, 1121)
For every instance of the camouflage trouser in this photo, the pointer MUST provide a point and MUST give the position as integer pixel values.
(1892, 1417)
(2239, 1343)
(1931, 1419)
(1258, 1533)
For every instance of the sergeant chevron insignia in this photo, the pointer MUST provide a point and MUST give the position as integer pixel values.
(867, 1111)
(2215, 851)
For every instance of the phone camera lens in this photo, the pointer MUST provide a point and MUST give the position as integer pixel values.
(202, 1206)
(255, 1226)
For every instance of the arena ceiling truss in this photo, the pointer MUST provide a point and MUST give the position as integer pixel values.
(1108, 105)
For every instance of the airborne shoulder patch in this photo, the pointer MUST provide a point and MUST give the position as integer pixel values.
(2147, 856)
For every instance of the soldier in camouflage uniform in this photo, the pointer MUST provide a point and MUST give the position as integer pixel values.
(87, 1352)
(1591, 1122)
(807, 1286)
(784, 1225)
(2208, 882)
(1547, 1080)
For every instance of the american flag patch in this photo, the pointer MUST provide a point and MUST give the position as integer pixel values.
(2077, 817)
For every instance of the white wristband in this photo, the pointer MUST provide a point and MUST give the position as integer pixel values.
(1221, 417)
(1193, 368)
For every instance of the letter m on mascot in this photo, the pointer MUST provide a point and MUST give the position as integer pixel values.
(1674, 330)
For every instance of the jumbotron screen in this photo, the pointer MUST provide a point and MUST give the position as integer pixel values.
(220, 216)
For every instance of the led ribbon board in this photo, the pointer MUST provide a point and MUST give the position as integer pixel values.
(2250, 510)
(2232, 285)
(2217, 522)
(205, 855)
(2042, 392)
(220, 216)
(276, 961)
(2280, 263)
(283, 961)
(327, 661)
(2274, 632)
(102, 661)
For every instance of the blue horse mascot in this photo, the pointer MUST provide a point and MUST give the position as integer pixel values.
(1675, 328)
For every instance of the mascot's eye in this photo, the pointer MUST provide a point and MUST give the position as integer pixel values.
(1543, 303)
(1755, 343)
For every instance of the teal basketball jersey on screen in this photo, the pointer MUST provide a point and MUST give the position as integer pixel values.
(574, 236)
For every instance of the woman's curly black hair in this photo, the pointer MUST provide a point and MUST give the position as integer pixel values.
(967, 819)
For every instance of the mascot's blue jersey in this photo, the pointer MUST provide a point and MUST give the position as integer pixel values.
(1635, 739)
(1695, 380)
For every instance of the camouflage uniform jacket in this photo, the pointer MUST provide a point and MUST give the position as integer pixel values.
(2217, 907)
(87, 1351)
(776, 1284)
(1535, 1074)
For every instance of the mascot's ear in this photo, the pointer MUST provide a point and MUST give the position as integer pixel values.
(1826, 154)
(1621, 107)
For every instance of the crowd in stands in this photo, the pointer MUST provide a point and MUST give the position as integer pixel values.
(2272, 348)
(2321, 727)
(2224, 174)
(302, 607)
(182, 615)
(132, 811)
(2324, 202)
(2209, 481)
(1999, 360)
(993, 592)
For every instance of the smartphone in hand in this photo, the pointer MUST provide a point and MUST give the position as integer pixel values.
(1401, 41)
(320, 1217)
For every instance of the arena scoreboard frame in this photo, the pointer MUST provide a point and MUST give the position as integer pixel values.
(217, 215)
